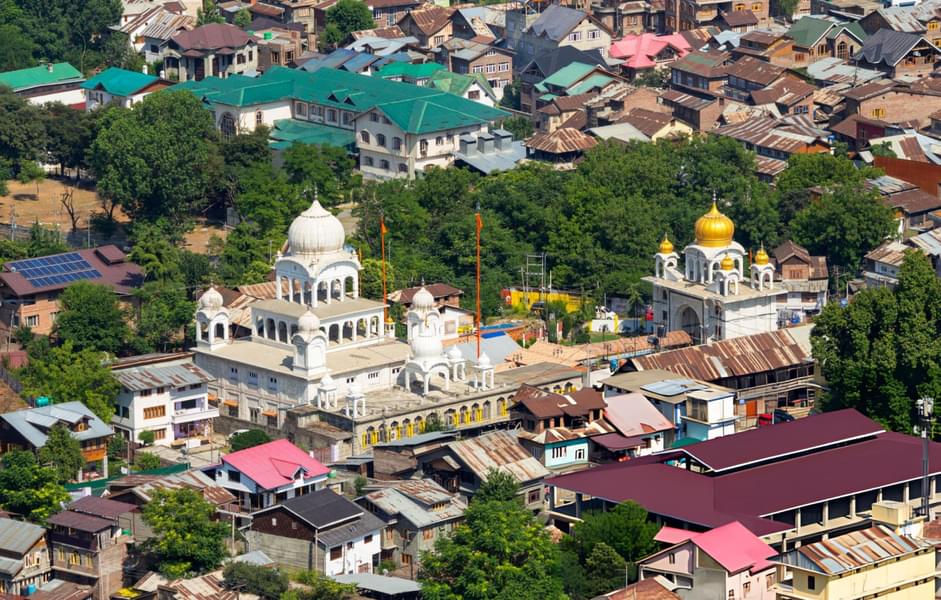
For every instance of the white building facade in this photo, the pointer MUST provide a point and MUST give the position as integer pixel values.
(712, 298)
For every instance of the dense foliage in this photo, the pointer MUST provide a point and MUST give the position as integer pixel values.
(186, 538)
(91, 318)
(248, 439)
(498, 486)
(62, 452)
(262, 581)
(343, 18)
(883, 350)
(28, 489)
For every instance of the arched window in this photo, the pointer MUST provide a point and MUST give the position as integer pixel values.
(364, 136)
(381, 139)
(227, 125)
(259, 118)
(842, 51)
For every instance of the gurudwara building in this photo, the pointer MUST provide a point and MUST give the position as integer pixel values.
(321, 350)
(711, 298)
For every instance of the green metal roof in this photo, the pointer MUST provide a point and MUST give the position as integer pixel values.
(807, 31)
(592, 82)
(566, 76)
(686, 441)
(287, 132)
(410, 70)
(41, 75)
(458, 84)
(404, 103)
(119, 82)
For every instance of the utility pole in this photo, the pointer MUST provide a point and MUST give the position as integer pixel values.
(925, 414)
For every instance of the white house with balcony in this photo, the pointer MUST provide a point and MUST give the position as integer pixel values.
(165, 394)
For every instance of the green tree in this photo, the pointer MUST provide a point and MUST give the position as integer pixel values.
(370, 278)
(145, 461)
(243, 18)
(499, 486)
(62, 452)
(149, 178)
(348, 16)
(209, 13)
(91, 318)
(805, 171)
(165, 311)
(245, 258)
(604, 570)
(117, 447)
(64, 374)
(154, 249)
(318, 586)
(146, 437)
(186, 539)
(248, 439)
(844, 224)
(69, 135)
(262, 581)
(327, 169)
(519, 126)
(16, 48)
(625, 528)
(29, 489)
(22, 133)
(883, 350)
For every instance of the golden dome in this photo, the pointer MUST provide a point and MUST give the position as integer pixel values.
(727, 263)
(714, 229)
(666, 246)
(761, 257)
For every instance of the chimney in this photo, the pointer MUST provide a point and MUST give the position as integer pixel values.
(49, 67)
(503, 139)
(144, 69)
(468, 146)
(484, 143)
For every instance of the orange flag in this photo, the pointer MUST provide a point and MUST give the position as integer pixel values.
(382, 226)
(480, 223)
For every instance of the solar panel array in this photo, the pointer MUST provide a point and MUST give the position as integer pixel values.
(54, 270)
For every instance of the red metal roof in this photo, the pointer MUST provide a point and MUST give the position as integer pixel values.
(784, 439)
(274, 464)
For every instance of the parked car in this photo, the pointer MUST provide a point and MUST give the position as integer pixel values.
(777, 416)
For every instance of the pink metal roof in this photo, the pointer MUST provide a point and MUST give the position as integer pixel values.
(673, 535)
(640, 50)
(735, 548)
(632, 414)
(274, 464)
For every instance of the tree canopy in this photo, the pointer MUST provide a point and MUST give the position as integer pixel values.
(260, 580)
(498, 486)
(248, 439)
(345, 17)
(62, 452)
(883, 350)
(29, 489)
(186, 538)
(499, 551)
(91, 318)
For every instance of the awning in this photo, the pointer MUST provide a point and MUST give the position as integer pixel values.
(270, 413)
(230, 402)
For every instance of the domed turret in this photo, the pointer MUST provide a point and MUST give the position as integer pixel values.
(308, 323)
(454, 354)
(426, 346)
(483, 360)
(714, 229)
(761, 257)
(727, 263)
(316, 231)
(666, 246)
(210, 300)
(423, 300)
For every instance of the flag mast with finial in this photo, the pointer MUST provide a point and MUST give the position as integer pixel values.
(382, 242)
(480, 225)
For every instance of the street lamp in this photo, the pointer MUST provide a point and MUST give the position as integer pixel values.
(925, 413)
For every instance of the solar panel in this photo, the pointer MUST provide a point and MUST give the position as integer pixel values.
(54, 270)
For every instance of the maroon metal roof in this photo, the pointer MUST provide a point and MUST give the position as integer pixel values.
(79, 522)
(784, 439)
(210, 37)
(101, 507)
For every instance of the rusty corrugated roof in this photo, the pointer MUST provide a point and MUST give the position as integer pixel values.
(498, 450)
(852, 551)
(744, 355)
(561, 141)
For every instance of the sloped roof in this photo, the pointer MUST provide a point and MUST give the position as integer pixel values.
(556, 21)
(740, 18)
(212, 37)
(648, 122)
(735, 548)
(410, 70)
(498, 450)
(704, 64)
(548, 63)
(787, 91)
(458, 83)
(640, 50)
(543, 404)
(33, 423)
(173, 375)
(633, 415)
(18, 536)
(274, 464)
(852, 551)
(562, 140)
(430, 19)
(807, 31)
(889, 47)
(23, 79)
(416, 501)
(752, 69)
(901, 18)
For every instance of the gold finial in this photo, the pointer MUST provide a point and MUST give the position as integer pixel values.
(761, 257)
(666, 246)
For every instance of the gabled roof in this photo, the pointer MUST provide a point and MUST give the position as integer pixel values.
(212, 37)
(890, 47)
(704, 64)
(853, 551)
(430, 19)
(640, 50)
(788, 249)
(740, 18)
(458, 83)
(735, 548)
(754, 70)
(498, 450)
(321, 509)
(18, 536)
(24, 79)
(901, 18)
(633, 415)
(274, 464)
(410, 70)
(543, 404)
(547, 63)
(119, 82)
(557, 21)
(34, 423)
(808, 31)
(418, 501)
(787, 91)
(567, 76)
(561, 141)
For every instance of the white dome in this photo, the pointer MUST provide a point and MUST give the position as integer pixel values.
(308, 323)
(426, 346)
(455, 354)
(423, 300)
(316, 231)
(483, 360)
(210, 300)
(354, 391)
(327, 383)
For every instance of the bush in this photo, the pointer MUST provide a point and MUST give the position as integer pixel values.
(359, 483)
(146, 437)
(387, 566)
(254, 579)
(252, 437)
(117, 447)
(145, 461)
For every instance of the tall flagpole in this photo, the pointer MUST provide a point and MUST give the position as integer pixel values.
(480, 225)
(382, 242)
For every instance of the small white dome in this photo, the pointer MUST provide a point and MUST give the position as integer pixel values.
(354, 391)
(483, 360)
(316, 231)
(426, 346)
(454, 354)
(423, 300)
(327, 383)
(210, 300)
(308, 323)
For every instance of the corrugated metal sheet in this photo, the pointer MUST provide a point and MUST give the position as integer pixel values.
(730, 358)
(167, 25)
(18, 537)
(154, 376)
(561, 140)
(858, 549)
(501, 451)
